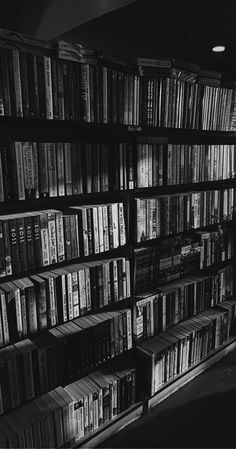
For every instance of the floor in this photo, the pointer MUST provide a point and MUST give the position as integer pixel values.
(202, 414)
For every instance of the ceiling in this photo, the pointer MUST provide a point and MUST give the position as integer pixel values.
(182, 29)
(186, 30)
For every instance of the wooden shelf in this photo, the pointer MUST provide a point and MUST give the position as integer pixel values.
(121, 251)
(13, 128)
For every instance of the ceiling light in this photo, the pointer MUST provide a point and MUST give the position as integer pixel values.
(218, 48)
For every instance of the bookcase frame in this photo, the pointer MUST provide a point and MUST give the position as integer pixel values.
(22, 129)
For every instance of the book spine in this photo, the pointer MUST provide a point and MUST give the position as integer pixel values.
(20, 170)
(2, 253)
(22, 244)
(28, 375)
(88, 289)
(82, 292)
(68, 168)
(37, 240)
(5, 326)
(31, 310)
(36, 168)
(29, 242)
(43, 170)
(95, 230)
(44, 239)
(60, 169)
(52, 169)
(75, 294)
(7, 247)
(5, 83)
(17, 82)
(48, 87)
(53, 312)
(14, 245)
(105, 228)
(60, 237)
(69, 296)
(52, 238)
(41, 86)
(14, 382)
(122, 233)
(29, 176)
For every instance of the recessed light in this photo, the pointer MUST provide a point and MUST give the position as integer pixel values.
(218, 48)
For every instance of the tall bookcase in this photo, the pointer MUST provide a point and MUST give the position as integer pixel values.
(117, 195)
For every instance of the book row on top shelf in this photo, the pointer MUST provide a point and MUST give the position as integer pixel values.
(32, 170)
(67, 82)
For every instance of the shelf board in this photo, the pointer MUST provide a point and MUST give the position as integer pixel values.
(121, 251)
(13, 128)
(182, 379)
(181, 135)
(63, 201)
(183, 188)
(107, 430)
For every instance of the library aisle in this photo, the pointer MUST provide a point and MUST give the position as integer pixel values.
(199, 415)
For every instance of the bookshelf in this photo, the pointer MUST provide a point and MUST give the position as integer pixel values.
(116, 237)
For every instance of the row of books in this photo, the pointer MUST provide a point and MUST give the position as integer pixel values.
(172, 352)
(150, 164)
(200, 163)
(37, 302)
(217, 246)
(184, 97)
(31, 170)
(58, 356)
(93, 87)
(35, 239)
(156, 311)
(170, 214)
(180, 256)
(63, 416)
(41, 85)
